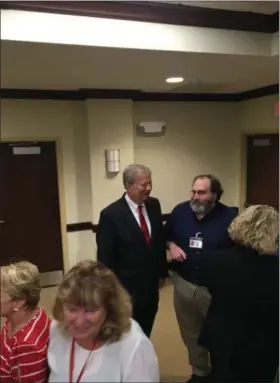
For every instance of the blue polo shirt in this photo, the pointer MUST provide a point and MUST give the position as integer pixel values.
(183, 225)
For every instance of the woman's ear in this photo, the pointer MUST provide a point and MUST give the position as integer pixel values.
(19, 304)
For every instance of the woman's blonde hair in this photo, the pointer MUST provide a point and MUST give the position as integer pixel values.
(92, 286)
(21, 281)
(257, 227)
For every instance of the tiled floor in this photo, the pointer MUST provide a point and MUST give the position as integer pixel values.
(172, 355)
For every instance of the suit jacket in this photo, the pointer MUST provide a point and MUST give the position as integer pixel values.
(242, 323)
(121, 246)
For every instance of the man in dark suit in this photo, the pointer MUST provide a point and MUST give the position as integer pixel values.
(130, 241)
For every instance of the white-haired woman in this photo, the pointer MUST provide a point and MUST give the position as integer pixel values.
(25, 334)
(241, 329)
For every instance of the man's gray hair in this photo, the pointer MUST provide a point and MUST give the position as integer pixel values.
(132, 171)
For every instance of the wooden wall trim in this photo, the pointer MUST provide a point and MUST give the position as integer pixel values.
(80, 226)
(84, 226)
(260, 92)
(134, 95)
(155, 12)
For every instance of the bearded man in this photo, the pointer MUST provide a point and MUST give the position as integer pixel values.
(195, 228)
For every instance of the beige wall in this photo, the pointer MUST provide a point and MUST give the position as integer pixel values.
(259, 115)
(110, 126)
(200, 137)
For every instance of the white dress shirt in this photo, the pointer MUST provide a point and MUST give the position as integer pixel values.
(134, 209)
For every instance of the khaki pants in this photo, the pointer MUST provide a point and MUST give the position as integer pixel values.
(191, 304)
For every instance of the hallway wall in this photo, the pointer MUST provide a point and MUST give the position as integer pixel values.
(200, 137)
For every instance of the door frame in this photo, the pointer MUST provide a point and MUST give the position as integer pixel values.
(243, 161)
(61, 189)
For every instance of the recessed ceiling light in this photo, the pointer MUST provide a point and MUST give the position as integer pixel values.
(174, 80)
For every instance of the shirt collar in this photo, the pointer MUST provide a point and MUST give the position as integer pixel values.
(131, 203)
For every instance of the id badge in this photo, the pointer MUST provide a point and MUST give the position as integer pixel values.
(196, 243)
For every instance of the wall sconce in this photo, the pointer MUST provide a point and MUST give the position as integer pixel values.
(112, 160)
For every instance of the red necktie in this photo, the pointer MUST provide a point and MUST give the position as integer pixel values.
(143, 225)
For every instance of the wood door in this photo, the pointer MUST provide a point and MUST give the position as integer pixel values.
(30, 227)
(263, 170)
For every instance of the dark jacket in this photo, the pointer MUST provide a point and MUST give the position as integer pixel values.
(242, 324)
(122, 248)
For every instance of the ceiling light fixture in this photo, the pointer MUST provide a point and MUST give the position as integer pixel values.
(174, 80)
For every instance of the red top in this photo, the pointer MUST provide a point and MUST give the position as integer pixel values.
(23, 356)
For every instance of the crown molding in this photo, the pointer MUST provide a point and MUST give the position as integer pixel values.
(155, 12)
(134, 95)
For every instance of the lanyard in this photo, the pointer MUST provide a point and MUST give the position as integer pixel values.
(71, 365)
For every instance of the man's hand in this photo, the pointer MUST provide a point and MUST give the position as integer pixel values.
(177, 254)
(161, 283)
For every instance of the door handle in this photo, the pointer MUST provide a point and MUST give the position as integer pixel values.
(2, 222)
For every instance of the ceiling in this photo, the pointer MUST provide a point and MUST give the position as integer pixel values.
(49, 66)
(266, 7)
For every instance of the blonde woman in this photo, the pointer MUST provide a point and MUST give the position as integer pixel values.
(25, 334)
(93, 338)
(241, 329)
